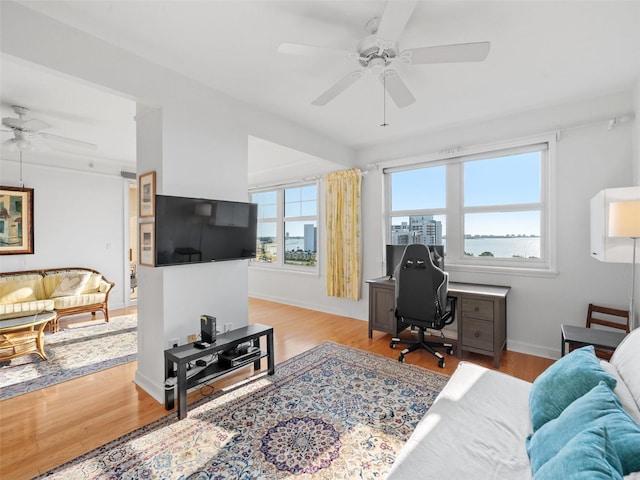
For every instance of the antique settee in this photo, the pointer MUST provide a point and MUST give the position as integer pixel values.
(579, 419)
(67, 291)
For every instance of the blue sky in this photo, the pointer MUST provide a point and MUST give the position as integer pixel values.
(506, 180)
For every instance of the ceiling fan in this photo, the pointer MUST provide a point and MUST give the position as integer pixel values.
(28, 134)
(379, 50)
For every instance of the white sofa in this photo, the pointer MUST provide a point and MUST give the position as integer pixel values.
(478, 426)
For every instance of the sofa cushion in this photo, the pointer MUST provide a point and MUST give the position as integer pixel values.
(79, 300)
(590, 454)
(93, 284)
(70, 284)
(598, 407)
(625, 359)
(622, 392)
(567, 379)
(21, 288)
(20, 309)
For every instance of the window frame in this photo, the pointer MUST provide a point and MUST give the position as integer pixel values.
(281, 221)
(454, 159)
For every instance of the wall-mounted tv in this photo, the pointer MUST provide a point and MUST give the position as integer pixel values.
(195, 230)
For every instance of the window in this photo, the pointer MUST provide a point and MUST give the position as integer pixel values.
(287, 227)
(488, 209)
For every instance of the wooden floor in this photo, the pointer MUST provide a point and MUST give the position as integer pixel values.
(45, 428)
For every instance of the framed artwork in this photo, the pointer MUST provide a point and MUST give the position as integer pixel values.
(16, 220)
(147, 195)
(147, 247)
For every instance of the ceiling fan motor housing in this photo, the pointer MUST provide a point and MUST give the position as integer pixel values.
(371, 50)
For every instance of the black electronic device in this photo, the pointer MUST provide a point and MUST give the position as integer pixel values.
(239, 355)
(201, 363)
(194, 230)
(201, 345)
(208, 328)
(393, 255)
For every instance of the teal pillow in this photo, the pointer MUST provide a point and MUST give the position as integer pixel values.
(590, 454)
(598, 408)
(567, 379)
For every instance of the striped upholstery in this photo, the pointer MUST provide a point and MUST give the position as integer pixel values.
(24, 308)
(79, 300)
(21, 288)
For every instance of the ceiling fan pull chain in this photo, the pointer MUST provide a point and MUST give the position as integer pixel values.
(384, 100)
(21, 184)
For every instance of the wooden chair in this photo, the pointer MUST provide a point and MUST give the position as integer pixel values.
(597, 315)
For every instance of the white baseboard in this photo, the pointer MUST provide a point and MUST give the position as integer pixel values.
(151, 387)
(530, 349)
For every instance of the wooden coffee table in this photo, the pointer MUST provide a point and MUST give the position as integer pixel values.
(23, 335)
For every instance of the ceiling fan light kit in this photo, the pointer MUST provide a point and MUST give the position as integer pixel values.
(379, 50)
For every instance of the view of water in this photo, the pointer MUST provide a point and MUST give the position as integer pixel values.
(504, 247)
(500, 247)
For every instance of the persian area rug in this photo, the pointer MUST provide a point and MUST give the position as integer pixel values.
(72, 352)
(331, 412)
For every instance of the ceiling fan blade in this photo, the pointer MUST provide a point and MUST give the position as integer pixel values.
(38, 145)
(394, 18)
(314, 51)
(463, 52)
(70, 141)
(396, 88)
(337, 88)
(31, 125)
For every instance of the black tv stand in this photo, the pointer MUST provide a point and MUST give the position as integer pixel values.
(178, 359)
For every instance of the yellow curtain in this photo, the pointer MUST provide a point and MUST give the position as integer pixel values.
(344, 240)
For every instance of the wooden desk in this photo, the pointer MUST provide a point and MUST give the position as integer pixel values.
(481, 315)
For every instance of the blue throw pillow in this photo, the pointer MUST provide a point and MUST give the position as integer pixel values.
(590, 454)
(598, 408)
(567, 379)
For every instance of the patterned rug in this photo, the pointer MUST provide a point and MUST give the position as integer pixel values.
(331, 412)
(72, 352)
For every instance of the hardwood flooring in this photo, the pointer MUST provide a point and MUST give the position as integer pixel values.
(48, 427)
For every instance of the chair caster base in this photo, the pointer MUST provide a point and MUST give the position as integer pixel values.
(441, 363)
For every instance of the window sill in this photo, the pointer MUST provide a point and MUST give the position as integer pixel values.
(315, 272)
(502, 270)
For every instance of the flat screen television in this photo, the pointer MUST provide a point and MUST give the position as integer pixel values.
(195, 230)
(393, 255)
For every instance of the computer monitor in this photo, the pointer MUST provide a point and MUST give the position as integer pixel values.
(394, 253)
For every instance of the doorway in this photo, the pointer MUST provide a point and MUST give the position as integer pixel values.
(133, 244)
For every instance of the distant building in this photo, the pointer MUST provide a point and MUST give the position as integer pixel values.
(310, 237)
(420, 229)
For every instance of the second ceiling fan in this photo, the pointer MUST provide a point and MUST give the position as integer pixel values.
(379, 50)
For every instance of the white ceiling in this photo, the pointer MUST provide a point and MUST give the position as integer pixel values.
(542, 53)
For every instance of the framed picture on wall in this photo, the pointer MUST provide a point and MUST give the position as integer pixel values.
(147, 195)
(16, 220)
(147, 247)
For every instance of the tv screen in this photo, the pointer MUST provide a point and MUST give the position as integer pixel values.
(194, 230)
(394, 253)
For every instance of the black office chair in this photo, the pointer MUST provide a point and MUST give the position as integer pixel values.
(421, 300)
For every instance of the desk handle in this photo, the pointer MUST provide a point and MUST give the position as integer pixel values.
(477, 309)
(477, 334)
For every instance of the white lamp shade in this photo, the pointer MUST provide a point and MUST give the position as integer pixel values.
(624, 219)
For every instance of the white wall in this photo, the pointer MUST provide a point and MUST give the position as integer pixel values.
(588, 159)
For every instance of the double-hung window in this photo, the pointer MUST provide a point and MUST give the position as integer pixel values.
(489, 209)
(287, 227)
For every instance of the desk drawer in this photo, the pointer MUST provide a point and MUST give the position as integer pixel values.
(482, 309)
(478, 334)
